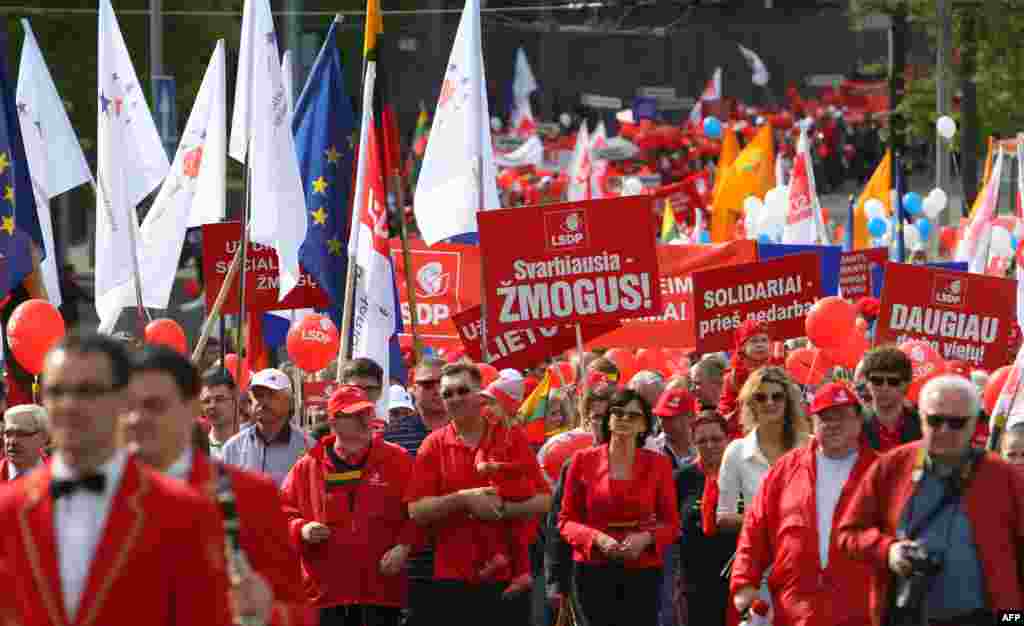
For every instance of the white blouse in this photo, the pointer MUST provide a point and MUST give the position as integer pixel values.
(743, 467)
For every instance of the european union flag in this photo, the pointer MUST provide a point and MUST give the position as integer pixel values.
(323, 127)
(19, 222)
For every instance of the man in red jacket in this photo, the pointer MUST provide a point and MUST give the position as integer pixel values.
(166, 387)
(961, 507)
(347, 518)
(789, 527)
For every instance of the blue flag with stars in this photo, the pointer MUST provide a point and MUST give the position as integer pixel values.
(323, 126)
(19, 222)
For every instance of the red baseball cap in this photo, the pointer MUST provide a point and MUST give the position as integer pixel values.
(675, 401)
(348, 399)
(833, 395)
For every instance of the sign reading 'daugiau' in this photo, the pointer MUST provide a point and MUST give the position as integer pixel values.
(586, 262)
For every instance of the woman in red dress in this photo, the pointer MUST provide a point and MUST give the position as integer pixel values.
(619, 514)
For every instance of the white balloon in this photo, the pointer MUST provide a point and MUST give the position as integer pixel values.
(771, 224)
(751, 204)
(1001, 244)
(946, 127)
(632, 186)
(873, 207)
(565, 119)
(912, 238)
(935, 202)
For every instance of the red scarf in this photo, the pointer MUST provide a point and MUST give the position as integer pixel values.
(708, 501)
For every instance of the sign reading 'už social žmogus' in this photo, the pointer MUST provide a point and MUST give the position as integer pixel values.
(579, 262)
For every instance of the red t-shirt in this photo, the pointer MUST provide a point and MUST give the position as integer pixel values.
(444, 464)
(890, 437)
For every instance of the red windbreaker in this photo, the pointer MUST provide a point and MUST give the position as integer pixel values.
(781, 531)
(366, 518)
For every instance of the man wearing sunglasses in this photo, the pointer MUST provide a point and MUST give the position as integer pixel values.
(942, 509)
(890, 420)
(465, 515)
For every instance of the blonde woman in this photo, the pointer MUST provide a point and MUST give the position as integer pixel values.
(773, 422)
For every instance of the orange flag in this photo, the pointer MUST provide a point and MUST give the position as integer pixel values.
(751, 174)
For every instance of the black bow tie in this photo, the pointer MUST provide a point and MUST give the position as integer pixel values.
(94, 484)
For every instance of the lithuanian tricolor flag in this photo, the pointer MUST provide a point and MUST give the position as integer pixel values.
(534, 410)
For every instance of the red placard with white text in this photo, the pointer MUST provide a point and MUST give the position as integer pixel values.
(779, 292)
(446, 279)
(966, 317)
(220, 241)
(520, 349)
(855, 271)
(587, 262)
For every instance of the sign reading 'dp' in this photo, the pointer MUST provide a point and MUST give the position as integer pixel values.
(965, 317)
(586, 262)
(778, 292)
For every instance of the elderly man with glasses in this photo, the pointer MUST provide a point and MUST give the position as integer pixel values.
(25, 438)
(890, 419)
(941, 522)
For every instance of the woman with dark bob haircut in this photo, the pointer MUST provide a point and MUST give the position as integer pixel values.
(619, 514)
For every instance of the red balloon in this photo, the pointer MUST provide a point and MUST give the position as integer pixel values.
(625, 361)
(167, 332)
(994, 386)
(676, 361)
(231, 365)
(851, 352)
(488, 373)
(830, 321)
(34, 328)
(651, 359)
(313, 342)
(807, 366)
(926, 362)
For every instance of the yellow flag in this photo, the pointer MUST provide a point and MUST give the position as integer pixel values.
(374, 27)
(730, 150)
(751, 174)
(879, 187)
(984, 177)
(668, 222)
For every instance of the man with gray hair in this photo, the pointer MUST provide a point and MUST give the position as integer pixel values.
(706, 377)
(943, 513)
(25, 431)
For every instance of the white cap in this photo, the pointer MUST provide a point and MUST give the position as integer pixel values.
(271, 378)
(510, 374)
(398, 398)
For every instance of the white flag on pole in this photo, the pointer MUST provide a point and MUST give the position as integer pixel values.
(55, 159)
(261, 128)
(288, 78)
(192, 194)
(131, 162)
(712, 91)
(459, 156)
(523, 84)
(759, 73)
(973, 247)
(598, 167)
(580, 167)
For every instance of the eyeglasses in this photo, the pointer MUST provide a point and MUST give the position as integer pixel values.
(429, 383)
(955, 422)
(708, 441)
(84, 392)
(19, 434)
(451, 392)
(892, 381)
(763, 398)
(631, 415)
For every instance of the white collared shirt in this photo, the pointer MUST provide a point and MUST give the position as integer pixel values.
(79, 519)
(743, 467)
(180, 468)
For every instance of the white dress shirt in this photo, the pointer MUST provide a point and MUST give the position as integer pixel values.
(79, 519)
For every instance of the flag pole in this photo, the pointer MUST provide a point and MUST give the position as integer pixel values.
(243, 254)
(483, 271)
(849, 239)
(222, 296)
(410, 287)
(142, 313)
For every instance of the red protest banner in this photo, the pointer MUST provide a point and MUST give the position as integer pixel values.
(523, 348)
(673, 328)
(778, 292)
(855, 271)
(446, 279)
(220, 241)
(964, 316)
(579, 262)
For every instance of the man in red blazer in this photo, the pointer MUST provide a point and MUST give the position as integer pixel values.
(95, 537)
(962, 506)
(159, 431)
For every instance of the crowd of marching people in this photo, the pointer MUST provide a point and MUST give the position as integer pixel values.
(724, 492)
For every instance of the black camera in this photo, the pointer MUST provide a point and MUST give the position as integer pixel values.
(911, 592)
